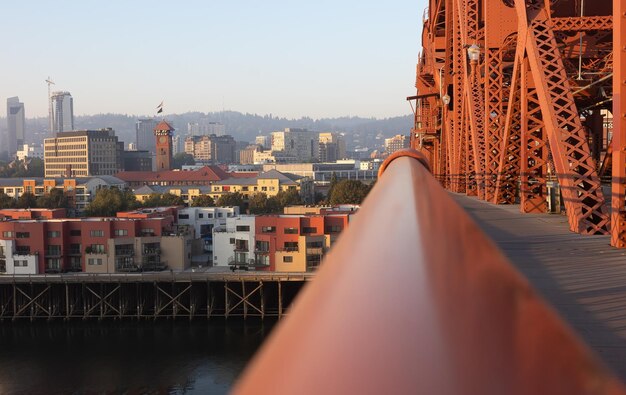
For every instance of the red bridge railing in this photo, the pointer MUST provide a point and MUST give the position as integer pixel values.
(414, 298)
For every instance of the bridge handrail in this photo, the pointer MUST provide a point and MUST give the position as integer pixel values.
(414, 298)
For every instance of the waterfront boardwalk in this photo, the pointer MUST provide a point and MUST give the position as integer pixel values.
(582, 277)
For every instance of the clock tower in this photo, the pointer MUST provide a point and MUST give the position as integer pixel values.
(163, 135)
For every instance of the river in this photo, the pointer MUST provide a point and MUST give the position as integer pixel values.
(159, 357)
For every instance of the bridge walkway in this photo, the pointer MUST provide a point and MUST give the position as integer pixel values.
(582, 277)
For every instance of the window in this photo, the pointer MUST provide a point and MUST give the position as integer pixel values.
(54, 233)
(147, 232)
(308, 229)
(287, 259)
(209, 215)
(268, 229)
(96, 249)
(121, 232)
(291, 231)
(7, 234)
(94, 261)
(22, 250)
(200, 215)
(96, 233)
(22, 235)
(291, 246)
(333, 229)
(20, 263)
(232, 240)
(220, 215)
(183, 216)
(243, 228)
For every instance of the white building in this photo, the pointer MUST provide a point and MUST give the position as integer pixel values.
(234, 242)
(204, 220)
(30, 151)
(11, 263)
(62, 112)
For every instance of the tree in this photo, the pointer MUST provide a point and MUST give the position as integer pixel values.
(27, 200)
(162, 200)
(230, 199)
(348, 192)
(289, 197)
(55, 199)
(333, 184)
(110, 201)
(203, 201)
(257, 203)
(6, 201)
(181, 159)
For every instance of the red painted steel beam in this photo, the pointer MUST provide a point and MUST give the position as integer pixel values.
(618, 145)
(415, 299)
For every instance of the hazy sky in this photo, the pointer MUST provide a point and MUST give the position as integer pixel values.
(289, 58)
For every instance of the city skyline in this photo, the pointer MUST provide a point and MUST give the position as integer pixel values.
(318, 60)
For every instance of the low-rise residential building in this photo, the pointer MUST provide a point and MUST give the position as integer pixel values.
(80, 191)
(281, 243)
(269, 182)
(187, 193)
(204, 175)
(233, 243)
(96, 245)
(203, 220)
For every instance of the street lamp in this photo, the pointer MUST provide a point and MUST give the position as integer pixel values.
(473, 51)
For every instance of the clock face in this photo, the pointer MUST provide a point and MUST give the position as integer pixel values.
(162, 139)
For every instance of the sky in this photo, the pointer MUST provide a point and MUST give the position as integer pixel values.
(288, 58)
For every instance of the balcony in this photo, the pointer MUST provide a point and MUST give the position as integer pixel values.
(241, 248)
(125, 253)
(260, 251)
(151, 251)
(288, 249)
(53, 254)
(74, 252)
(315, 251)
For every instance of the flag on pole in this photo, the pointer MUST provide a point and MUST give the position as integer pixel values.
(160, 110)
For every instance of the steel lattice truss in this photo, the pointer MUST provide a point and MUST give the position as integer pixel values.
(533, 110)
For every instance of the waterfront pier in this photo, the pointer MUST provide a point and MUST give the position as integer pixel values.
(168, 295)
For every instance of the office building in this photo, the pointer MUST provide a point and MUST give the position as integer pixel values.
(396, 143)
(62, 112)
(206, 128)
(16, 125)
(211, 149)
(144, 132)
(332, 147)
(299, 143)
(83, 153)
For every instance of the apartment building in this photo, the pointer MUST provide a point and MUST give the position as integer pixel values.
(233, 243)
(80, 191)
(281, 243)
(83, 153)
(270, 183)
(95, 245)
(212, 148)
(203, 220)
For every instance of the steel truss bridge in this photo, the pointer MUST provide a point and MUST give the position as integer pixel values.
(513, 94)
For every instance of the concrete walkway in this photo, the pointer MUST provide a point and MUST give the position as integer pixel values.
(581, 276)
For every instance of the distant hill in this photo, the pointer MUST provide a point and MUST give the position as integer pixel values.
(244, 127)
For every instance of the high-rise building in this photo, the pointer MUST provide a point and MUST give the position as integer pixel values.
(144, 129)
(264, 141)
(204, 127)
(214, 149)
(299, 143)
(62, 112)
(396, 143)
(163, 135)
(332, 147)
(83, 153)
(177, 145)
(16, 125)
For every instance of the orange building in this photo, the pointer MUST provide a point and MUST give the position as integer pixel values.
(295, 243)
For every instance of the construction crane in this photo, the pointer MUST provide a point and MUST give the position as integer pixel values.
(50, 115)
